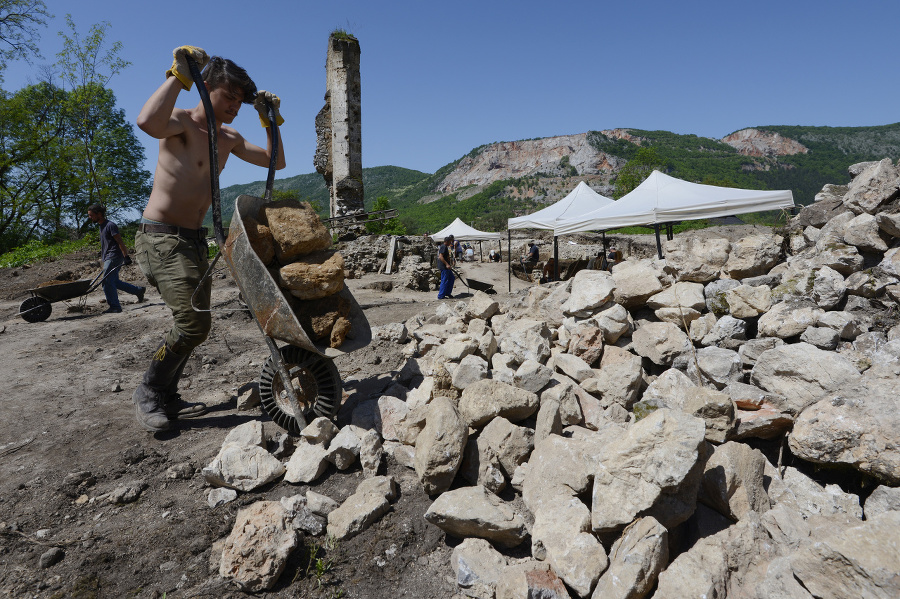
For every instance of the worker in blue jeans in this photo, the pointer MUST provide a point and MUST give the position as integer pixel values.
(114, 255)
(445, 262)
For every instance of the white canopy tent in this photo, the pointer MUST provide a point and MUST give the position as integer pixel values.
(580, 200)
(463, 232)
(664, 199)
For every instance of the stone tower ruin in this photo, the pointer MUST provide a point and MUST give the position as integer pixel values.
(339, 128)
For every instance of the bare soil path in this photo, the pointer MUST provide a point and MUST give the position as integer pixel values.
(68, 439)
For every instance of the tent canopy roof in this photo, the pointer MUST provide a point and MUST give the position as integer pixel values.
(580, 200)
(662, 199)
(463, 232)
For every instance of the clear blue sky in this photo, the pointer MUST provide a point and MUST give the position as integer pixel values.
(439, 79)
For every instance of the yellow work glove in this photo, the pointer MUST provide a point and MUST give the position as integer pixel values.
(260, 105)
(180, 68)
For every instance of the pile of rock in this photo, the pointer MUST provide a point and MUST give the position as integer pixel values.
(412, 259)
(623, 409)
(613, 422)
(291, 240)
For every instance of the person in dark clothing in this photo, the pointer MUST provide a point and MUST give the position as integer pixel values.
(445, 262)
(531, 259)
(114, 255)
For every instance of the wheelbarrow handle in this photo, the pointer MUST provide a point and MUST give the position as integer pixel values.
(213, 149)
(273, 159)
(103, 273)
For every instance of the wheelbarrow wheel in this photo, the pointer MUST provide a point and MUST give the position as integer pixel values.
(35, 309)
(316, 382)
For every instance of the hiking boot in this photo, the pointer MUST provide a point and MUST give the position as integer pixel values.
(175, 407)
(112, 310)
(148, 409)
(140, 294)
(150, 396)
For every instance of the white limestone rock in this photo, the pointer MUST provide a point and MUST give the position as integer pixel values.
(356, 514)
(873, 187)
(788, 319)
(636, 559)
(591, 289)
(745, 301)
(733, 482)
(661, 342)
(647, 465)
(258, 547)
(635, 281)
(801, 373)
(243, 467)
(475, 512)
(470, 370)
(440, 445)
(698, 260)
(308, 462)
(752, 255)
(485, 399)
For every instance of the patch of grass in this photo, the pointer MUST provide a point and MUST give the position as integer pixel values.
(342, 34)
(39, 251)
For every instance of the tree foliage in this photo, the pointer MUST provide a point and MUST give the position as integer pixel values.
(391, 226)
(645, 161)
(64, 147)
(19, 22)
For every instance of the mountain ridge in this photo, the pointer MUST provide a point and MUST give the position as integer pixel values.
(503, 179)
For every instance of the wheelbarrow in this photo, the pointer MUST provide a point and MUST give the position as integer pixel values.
(39, 306)
(476, 285)
(298, 380)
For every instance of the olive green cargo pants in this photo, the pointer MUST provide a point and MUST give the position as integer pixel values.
(175, 265)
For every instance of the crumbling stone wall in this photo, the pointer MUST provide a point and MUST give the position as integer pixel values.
(338, 128)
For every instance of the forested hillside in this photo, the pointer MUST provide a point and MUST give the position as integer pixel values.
(825, 154)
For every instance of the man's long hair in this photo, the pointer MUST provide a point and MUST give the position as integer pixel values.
(221, 72)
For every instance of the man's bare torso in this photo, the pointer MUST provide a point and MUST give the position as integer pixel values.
(181, 186)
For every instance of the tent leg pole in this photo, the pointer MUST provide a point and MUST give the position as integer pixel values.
(658, 243)
(555, 258)
(508, 258)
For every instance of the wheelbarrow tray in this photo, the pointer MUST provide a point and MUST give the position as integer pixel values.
(62, 291)
(476, 285)
(268, 301)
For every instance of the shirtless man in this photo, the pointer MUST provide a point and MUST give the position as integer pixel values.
(170, 245)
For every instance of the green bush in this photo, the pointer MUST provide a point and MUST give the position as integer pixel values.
(39, 251)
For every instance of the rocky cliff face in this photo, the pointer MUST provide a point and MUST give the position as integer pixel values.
(753, 142)
(561, 155)
(573, 155)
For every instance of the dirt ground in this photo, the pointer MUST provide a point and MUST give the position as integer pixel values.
(68, 437)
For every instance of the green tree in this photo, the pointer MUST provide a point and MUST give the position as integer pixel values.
(87, 66)
(19, 22)
(391, 226)
(645, 161)
(44, 187)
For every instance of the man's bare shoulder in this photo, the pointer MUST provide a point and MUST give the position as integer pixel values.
(230, 133)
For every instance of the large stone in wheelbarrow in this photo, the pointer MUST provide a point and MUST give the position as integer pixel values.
(260, 238)
(296, 229)
(326, 318)
(314, 276)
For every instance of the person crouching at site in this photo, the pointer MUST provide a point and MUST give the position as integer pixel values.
(114, 255)
(445, 263)
(170, 244)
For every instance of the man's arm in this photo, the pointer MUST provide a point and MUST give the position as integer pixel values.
(121, 243)
(256, 155)
(156, 118)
